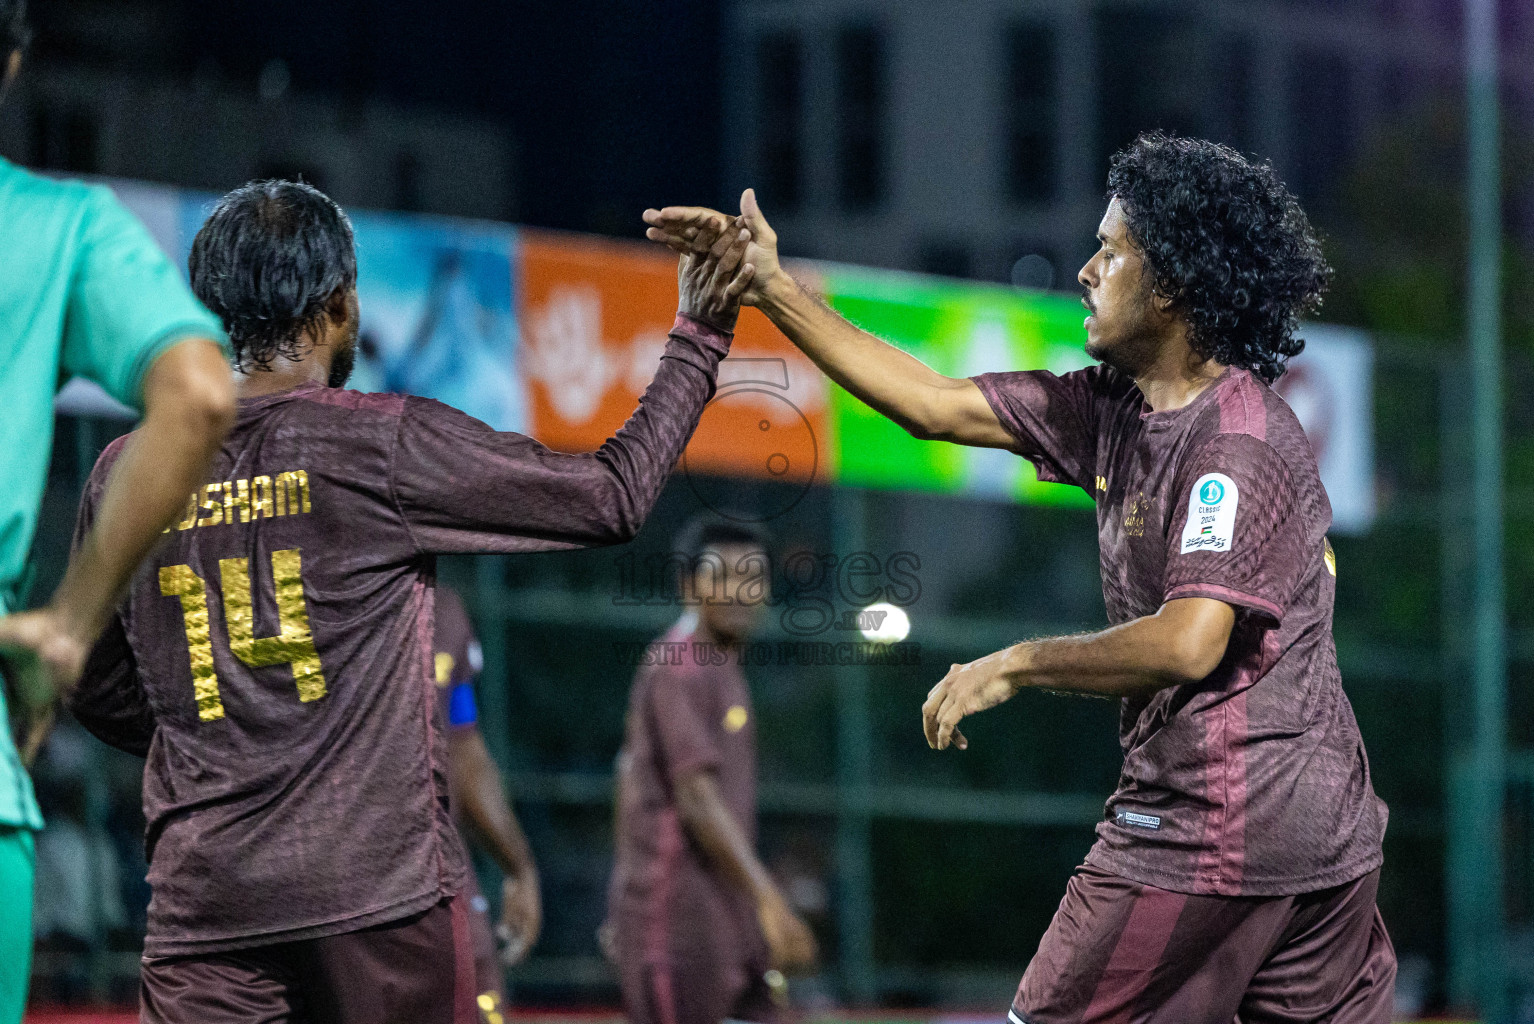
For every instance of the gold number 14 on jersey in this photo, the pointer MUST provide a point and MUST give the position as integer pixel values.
(293, 644)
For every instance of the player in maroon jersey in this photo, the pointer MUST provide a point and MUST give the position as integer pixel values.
(695, 922)
(1236, 867)
(302, 859)
(480, 805)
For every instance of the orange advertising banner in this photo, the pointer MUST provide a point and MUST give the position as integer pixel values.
(594, 317)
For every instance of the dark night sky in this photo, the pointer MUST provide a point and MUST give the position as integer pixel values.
(614, 105)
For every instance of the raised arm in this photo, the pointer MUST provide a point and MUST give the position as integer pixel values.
(464, 487)
(925, 403)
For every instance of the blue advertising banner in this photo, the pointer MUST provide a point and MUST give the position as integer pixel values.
(438, 313)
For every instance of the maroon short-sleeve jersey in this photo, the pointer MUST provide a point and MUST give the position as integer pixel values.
(1253, 781)
(689, 710)
(279, 644)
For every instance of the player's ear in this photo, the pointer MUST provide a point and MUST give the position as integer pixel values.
(340, 304)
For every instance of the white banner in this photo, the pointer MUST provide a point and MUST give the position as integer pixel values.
(1330, 387)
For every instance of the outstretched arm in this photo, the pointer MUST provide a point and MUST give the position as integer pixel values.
(1182, 643)
(708, 821)
(477, 789)
(925, 403)
(461, 486)
(189, 405)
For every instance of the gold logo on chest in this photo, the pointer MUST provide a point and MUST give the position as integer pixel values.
(736, 718)
(1134, 516)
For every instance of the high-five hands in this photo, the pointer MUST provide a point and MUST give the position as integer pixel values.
(711, 278)
(697, 230)
(965, 690)
(698, 233)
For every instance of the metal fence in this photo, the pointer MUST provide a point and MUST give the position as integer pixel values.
(930, 877)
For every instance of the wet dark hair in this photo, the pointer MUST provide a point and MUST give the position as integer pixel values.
(267, 261)
(15, 32)
(706, 531)
(1227, 242)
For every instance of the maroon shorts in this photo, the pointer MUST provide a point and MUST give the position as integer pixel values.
(419, 970)
(1120, 951)
(694, 993)
(489, 986)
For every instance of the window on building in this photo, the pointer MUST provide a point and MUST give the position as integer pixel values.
(1403, 88)
(65, 139)
(1155, 70)
(1030, 114)
(1235, 126)
(1518, 207)
(407, 182)
(1515, 22)
(1440, 14)
(945, 256)
(780, 121)
(860, 115)
(1321, 124)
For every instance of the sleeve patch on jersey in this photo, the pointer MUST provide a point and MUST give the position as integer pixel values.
(461, 709)
(1211, 522)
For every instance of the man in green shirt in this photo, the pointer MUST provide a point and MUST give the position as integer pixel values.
(85, 292)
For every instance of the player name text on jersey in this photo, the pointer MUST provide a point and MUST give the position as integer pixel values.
(231, 501)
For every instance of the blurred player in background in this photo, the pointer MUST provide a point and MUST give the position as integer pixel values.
(695, 922)
(85, 292)
(1236, 867)
(480, 805)
(303, 861)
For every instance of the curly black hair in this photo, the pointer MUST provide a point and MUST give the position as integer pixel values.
(1227, 242)
(267, 261)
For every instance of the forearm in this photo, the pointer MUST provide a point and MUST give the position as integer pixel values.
(639, 458)
(1104, 664)
(189, 407)
(893, 383)
(1134, 659)
(711, 825)
(481, 799)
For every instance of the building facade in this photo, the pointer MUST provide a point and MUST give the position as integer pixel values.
(960, 136)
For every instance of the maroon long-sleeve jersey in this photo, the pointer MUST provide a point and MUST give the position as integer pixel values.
(278, 645)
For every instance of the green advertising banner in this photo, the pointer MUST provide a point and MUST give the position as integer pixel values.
(959, 329)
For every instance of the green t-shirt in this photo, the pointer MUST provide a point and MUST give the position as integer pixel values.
(84, 292)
